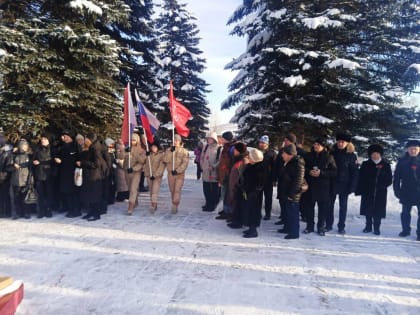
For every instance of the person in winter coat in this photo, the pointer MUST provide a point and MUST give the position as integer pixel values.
(66, 160)
(290, 180)
(176, 159)
(42, 161)
(20, 179)
(153, 170)
(120, 176)
(234, 194)
(375, 176)
(269, 167)
(223, 170)
(109, 186)
(251, 184)
(407, 186)
(208, 163)
(95, 169)
(6, 164)
(289, 139)
(345, 182)
(320, 169)
(197, 152)
(133, 164)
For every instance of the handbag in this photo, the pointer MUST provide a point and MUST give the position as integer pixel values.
(31, 195)
(78, 176)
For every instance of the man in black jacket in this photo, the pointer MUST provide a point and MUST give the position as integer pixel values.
(345, 182)
(269, 166)
(290, 182)
(407, 185)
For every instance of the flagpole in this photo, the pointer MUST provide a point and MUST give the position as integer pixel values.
(129, 127)
(173, 128)
(147, 150)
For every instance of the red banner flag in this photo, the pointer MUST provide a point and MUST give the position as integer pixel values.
(129, 121)
(180, 114)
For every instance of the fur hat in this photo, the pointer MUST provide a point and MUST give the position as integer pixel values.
(291, 137)
(322, 141)
(375, 148)
(240, 147)
(79, 136)
(343, 136)
(91, 136)
(290, 149)
(412, 143)
(264, 139)
(228, 136)
(256, 155)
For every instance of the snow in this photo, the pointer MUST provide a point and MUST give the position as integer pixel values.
(278, 14)
(191, 264)
(288, 51)
(3, 52)
(362, 107)
(187, 87)
(320, 21)
(321, 119)
(175, 28)
(89, 5)
(415, 66)
(306, 66)
(293, 81)
(345, 63)
(176, 63)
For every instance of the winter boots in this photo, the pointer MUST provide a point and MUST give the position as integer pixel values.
(153, 207)
(174, 209)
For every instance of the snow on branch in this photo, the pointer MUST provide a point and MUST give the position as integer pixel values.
(320, 21)
(293, 81)
(362, 107)
(288, 51)
(345, 63)
(321, 119)
(415, 66)
(89, 5)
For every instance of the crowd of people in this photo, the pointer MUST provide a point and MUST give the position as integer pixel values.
(306, 181)
(84, 174)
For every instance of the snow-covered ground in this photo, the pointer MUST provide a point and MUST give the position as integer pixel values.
(191, 264)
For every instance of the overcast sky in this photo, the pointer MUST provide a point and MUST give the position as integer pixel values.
(218, 48)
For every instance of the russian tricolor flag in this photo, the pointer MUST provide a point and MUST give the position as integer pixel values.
(148, 120)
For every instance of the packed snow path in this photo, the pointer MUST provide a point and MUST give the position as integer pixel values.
(191, 264)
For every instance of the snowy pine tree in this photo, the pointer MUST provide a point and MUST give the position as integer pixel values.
(58, 70)
(138, 49)
(181, 62)
(318, 67)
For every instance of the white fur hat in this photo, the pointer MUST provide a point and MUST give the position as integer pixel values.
(256, 155)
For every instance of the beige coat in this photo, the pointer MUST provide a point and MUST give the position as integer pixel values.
(181, 160)
(156, 163)
(138, 158)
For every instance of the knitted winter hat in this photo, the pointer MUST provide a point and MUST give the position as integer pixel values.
(264, 139)
(256, 155)
(290, 149)
(67, 133)
(228, 136)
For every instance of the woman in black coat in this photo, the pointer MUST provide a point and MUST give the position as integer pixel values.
(320, 169)
(251, 184)
(375, 176)
(94, 171)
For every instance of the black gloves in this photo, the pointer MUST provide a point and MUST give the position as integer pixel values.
(152, 178)
(130, 170)
(173, 149)
(128, 149)
(174, 172)
(147, 153)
